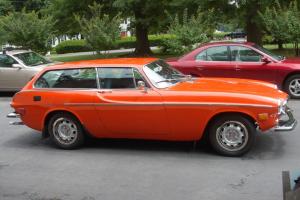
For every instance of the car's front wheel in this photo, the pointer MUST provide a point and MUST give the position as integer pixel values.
(292, 86)
(232, 135)
(66, 131)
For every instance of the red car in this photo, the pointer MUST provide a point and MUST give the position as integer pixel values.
(241, 60)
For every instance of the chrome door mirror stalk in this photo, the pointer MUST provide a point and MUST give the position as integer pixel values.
(142, 86)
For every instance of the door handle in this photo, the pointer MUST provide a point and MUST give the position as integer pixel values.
(237, 69)
(104, 91)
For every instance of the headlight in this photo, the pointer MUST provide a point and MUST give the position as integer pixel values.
(282, 106)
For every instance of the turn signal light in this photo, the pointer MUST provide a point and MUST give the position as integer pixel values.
(263, 116)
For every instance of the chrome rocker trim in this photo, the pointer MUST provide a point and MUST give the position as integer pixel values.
(289, 124)
(14, 115)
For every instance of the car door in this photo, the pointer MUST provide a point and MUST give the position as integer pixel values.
(13, 78)
(249, 64)
(214, 62)
(126, 111)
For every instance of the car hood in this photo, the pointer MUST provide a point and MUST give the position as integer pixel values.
(231, 87)
(291, 60)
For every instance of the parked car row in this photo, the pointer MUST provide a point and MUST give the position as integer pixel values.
(145, 98)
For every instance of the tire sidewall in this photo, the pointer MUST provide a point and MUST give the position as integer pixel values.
(80, 135)
(219, 122)
(287, 84)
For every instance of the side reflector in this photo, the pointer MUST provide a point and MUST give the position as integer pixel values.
(263, 116)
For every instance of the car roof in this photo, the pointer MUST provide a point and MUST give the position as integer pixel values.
(228, 43)
(112, 62)
(13, 52)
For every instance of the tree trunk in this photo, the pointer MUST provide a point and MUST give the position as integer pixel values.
(254, 32)
(142, 46)
(280, 45)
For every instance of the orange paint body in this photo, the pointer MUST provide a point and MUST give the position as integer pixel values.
(180, 112)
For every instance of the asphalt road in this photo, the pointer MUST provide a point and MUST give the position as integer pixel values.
(32, 168)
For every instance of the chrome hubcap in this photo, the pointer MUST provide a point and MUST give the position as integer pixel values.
(65, 130)
(294, 87)
(232, 135)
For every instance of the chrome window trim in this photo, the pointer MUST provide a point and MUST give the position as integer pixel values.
(33, 85)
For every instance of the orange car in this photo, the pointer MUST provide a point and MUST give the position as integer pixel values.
(145, 98)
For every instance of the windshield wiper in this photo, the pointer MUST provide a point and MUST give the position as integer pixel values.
(168, 80)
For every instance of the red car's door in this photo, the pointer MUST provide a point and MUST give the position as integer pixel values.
(213, 62)
(127, 112)
(249, 64)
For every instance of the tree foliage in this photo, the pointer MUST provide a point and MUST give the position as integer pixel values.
(28, 30)
(275, 21)
(189, 30)
(283, 23)
(100, 31)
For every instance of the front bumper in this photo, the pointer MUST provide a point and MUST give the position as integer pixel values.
(286, 122)
(14, 115)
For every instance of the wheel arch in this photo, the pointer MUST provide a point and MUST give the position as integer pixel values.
(50, 114)
(220, 114)
(287, 77)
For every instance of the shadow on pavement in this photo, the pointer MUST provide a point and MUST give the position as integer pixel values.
(7, 94)
(269, 146)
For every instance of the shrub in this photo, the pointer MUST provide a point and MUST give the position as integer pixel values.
(72, 46)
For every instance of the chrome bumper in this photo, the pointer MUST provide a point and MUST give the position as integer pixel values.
(286, 124)
(14, 115)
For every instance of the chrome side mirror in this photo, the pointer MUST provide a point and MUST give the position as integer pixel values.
(19, 66)
(142, 86)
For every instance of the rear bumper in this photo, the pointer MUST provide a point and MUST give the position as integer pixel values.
(14, 115)
(287, 124)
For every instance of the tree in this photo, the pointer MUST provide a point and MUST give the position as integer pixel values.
(147, 14)
(100, 31)
(189, 31)
(5, 7)
(275, 21)
(293, 24)
(28, 30)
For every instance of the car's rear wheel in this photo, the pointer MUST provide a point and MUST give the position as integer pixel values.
(66, 131)
(292, 86)
(232, 135)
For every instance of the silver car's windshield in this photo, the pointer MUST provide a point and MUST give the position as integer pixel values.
(32, 59)
(162, 75)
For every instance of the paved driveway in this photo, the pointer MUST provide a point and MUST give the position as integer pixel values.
(32, 168)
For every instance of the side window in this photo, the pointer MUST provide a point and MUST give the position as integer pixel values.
(69, 78)
(214, 54)
(6, 61)
(244, 54)
(116, 78)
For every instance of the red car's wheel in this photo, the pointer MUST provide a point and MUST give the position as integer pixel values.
(292, 86)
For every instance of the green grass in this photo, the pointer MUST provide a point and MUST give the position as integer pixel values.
(84, 57)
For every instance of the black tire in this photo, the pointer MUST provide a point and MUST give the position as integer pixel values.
(289, 81)
(68, 124)
(242, 129)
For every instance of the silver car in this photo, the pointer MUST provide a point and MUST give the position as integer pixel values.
(17, 67)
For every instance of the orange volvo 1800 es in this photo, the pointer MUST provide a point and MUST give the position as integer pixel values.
(144, 98)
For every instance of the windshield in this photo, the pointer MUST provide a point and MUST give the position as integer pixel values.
(273, 55)
(32, 59)
(162, 75)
